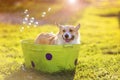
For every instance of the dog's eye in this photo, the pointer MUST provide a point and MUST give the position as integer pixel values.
(71, 30)
(63, 30)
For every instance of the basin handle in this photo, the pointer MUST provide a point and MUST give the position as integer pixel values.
(68, 46)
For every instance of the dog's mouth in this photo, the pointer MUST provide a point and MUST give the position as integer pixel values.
(68, 40)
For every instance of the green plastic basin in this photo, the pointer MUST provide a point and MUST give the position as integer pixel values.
(49, 58)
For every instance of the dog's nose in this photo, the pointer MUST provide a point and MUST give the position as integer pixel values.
(66, 36)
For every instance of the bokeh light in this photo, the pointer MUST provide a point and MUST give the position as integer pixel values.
(72, 1)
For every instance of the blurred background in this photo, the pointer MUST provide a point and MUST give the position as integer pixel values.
(11, 11)
(61, 10)
(99, 55)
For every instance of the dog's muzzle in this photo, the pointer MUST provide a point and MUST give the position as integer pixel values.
(66, 38)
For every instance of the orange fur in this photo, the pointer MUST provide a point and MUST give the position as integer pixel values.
(45, 38)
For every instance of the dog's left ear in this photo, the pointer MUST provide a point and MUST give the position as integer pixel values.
(59, 26)
(77, 27)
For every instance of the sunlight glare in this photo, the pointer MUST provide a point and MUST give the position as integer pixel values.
(72, 1)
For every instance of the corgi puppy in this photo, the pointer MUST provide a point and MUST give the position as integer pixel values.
(67, 34)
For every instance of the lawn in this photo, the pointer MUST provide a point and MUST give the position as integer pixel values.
(99, 55)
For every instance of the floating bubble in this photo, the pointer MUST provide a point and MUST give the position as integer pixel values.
(26, 11)
(49, 9)
(36, 23)
(29, 23)
(44, 13)
(43, 16)
(32, 18)
(26, 18)
(27, 15)
(24, 22)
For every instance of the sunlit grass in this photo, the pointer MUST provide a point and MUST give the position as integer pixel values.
(11, 56)
(99, 55)
(100, 49)
(104, 10)
(99, 40)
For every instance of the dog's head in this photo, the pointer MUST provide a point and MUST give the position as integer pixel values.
(68, 33)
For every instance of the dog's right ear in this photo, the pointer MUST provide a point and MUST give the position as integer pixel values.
(59, 26)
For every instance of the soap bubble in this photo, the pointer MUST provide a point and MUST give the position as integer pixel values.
(43, 16)
(31, 21)
(36, 23)
(26, 18)
(49, 9)
(22, 28)
(24, 22)
(32, 18)
(44, 13)
(29, 24)
(27, 15)
(26, 11)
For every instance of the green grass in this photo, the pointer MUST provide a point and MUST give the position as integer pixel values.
(100, 49)
(99, 55)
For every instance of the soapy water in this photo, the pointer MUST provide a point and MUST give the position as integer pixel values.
(29, 21)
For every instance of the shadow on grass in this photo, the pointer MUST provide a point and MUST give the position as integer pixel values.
(35, 75)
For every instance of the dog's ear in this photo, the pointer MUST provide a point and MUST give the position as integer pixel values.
(59, 26)
(77, 27)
